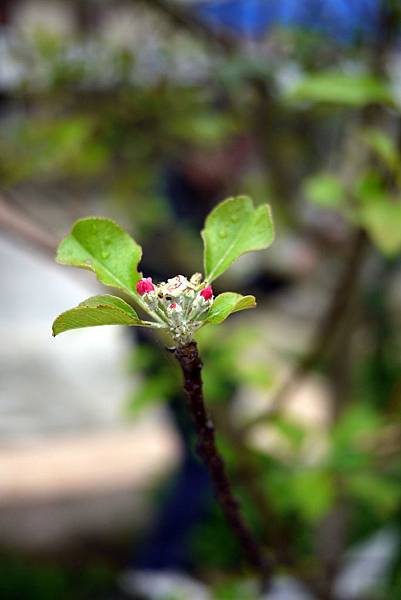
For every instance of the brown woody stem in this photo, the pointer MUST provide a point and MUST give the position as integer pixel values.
(191, 365)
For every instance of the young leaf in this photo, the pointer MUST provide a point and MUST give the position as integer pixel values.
(100, 245)
(228, 303)
(233, 228)
(99, 310)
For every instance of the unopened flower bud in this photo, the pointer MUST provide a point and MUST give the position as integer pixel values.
(207, 293)
(174, 311)
(144, 286)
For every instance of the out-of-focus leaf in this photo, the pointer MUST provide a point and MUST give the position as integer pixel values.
(359, 420)
(205, 128)
(54, 148)
(369, 187)
(254, 373)
(226, 304)
(384, 146)
(382, 220)
(313, 493)
(342, 88)
(379, 492)
(152, 390)
(325, 190)
(159, 380)
(233, 228)
(350, 438)
(235, 590)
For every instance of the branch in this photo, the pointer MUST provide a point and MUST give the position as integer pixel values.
(17, 222)
(191, 365)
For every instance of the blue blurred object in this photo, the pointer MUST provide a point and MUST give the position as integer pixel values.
(342, 20)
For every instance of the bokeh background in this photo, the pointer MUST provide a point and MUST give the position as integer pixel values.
(152, 111)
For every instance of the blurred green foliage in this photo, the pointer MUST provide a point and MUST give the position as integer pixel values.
(223, 350)
(42, 581)
(340, 88)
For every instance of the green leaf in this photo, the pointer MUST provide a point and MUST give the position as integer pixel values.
(358, 420)
(340, 88)
(107, 300)
(384, 146)
(382, 220)
(226, 304)
(101, 246)
(313, 493)
(379, 492)
(348, 450)
(233, 228)
(98, 310)
(325, 189)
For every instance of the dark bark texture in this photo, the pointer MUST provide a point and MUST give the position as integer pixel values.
(191, 365)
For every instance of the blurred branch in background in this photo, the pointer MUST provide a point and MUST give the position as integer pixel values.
(19, 224)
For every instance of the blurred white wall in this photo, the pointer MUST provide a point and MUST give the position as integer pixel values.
(76, 381)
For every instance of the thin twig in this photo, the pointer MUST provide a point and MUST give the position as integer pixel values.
(191, 365)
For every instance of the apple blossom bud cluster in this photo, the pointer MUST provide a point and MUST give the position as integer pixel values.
(180, 302)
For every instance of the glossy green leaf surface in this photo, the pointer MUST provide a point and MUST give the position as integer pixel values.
(233, 228)
(98, 310)
(228, 303)
(102, 246)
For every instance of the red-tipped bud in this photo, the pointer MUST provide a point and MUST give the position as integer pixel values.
(207, 293)
(144, 286)
(173, 306)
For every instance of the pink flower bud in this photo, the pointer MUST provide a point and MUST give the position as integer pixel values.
(207, 293)
(173, 305)
(144, 286)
